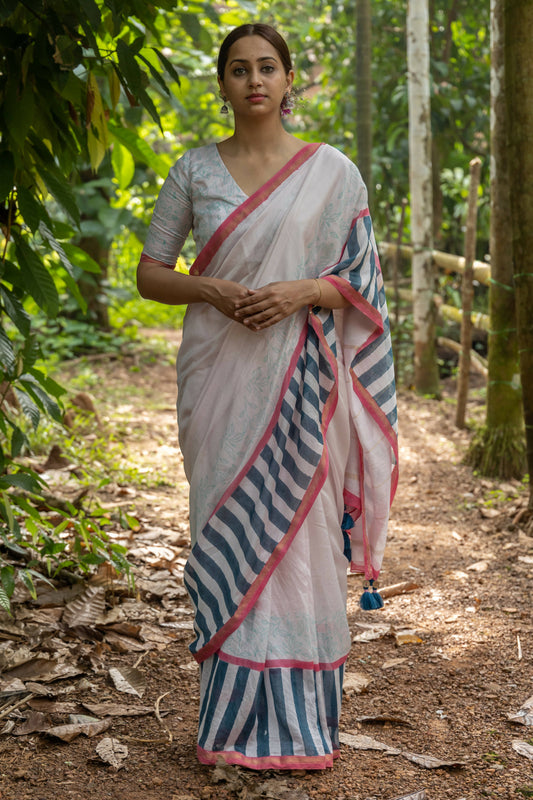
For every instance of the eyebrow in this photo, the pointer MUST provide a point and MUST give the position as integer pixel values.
(245, 60)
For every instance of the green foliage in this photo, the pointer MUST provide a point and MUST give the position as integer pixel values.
(47, 548)
(74, 82)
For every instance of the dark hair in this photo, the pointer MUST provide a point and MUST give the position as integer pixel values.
(254, 29)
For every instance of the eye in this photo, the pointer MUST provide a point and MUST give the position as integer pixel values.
(239, 71)
(268, 68)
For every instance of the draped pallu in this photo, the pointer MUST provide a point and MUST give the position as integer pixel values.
(282, 431)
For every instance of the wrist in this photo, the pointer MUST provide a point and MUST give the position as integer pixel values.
(317, 292)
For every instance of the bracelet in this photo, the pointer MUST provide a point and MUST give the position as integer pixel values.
(319, 292)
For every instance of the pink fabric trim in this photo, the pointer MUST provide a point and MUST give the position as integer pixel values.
(360, 569)
(249, 205)
(286, 663)
(268, 762)
(144, 258)
(357, 301)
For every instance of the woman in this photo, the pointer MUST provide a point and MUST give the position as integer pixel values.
(286, 412)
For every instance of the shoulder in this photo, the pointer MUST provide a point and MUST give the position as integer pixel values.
(193, 160)
(336, 157)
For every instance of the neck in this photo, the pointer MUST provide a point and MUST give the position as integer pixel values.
(261, 135)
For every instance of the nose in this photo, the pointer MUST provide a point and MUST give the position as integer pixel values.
(255, 78)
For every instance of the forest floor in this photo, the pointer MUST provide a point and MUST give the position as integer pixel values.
(431, 679)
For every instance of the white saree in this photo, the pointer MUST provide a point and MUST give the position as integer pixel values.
(282, 432)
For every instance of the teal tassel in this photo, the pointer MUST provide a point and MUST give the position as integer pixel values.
(370, 600)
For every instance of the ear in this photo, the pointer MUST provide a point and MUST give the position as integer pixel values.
(221, 86)
(290, 78)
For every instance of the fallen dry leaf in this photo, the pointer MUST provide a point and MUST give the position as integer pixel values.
(129, 680)
(430, 762)
(421, 795)
(112, 752)
(52, 706)
(69, 732)
(407, 637)
(117, 710)
(86, 608)
(372, 632)
(355, 683)
(523, 748)
(35, 722)
(125, 644)
(10, 687)
(524, 716)
(361, 742)
(393, 662)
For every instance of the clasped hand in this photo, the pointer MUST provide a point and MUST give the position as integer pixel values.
(268, 305)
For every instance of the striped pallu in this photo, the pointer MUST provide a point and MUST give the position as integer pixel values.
(267, 572)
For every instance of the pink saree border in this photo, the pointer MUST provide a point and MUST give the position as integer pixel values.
(249, 205)
(277, 663)
(267, 762)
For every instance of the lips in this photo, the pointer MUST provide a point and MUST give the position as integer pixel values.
(256, 97)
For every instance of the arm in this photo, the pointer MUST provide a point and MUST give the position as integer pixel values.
(155, 281)
(272, 303)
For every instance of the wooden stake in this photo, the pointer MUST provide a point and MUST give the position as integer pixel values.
(467, 294)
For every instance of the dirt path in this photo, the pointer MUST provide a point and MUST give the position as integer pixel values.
(445, 663)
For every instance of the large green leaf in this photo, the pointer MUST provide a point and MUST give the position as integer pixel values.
(129, 67)
(168, 65)
(31, 210)
(59, 187)
(69, 278)
(7, 354)
(139, 149)
(79, 258)
(155, 74)
(38, 281)
(40, 397)
(49, 384)
(15, 310)
(123, 165)
(18, 441)
(28, 407)
(7, 579)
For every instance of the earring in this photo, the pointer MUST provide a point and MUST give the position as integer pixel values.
(224, 109)
(287, 105)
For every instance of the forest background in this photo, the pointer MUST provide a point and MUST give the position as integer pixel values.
(98, 99)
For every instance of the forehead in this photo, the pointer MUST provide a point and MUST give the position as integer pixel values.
(252, 48)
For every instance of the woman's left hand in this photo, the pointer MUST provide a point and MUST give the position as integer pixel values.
(274, 302)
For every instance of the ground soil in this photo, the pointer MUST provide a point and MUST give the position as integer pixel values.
(452, 662)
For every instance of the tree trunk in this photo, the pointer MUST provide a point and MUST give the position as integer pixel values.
(363, 122)
(499, 449)
(420, 180)
(467, 294)
(518, 26)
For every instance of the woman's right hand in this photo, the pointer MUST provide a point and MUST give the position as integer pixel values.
(158, 281)
(223, 295)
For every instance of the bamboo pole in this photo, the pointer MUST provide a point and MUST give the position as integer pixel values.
(396, 284)
(467, 294)
(445, 261)
(479, 320)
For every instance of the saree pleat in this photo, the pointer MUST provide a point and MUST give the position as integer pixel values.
(282, 432)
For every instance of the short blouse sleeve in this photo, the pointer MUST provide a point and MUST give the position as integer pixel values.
(172, 217)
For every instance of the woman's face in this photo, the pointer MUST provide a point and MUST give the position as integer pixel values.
(255, 80)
